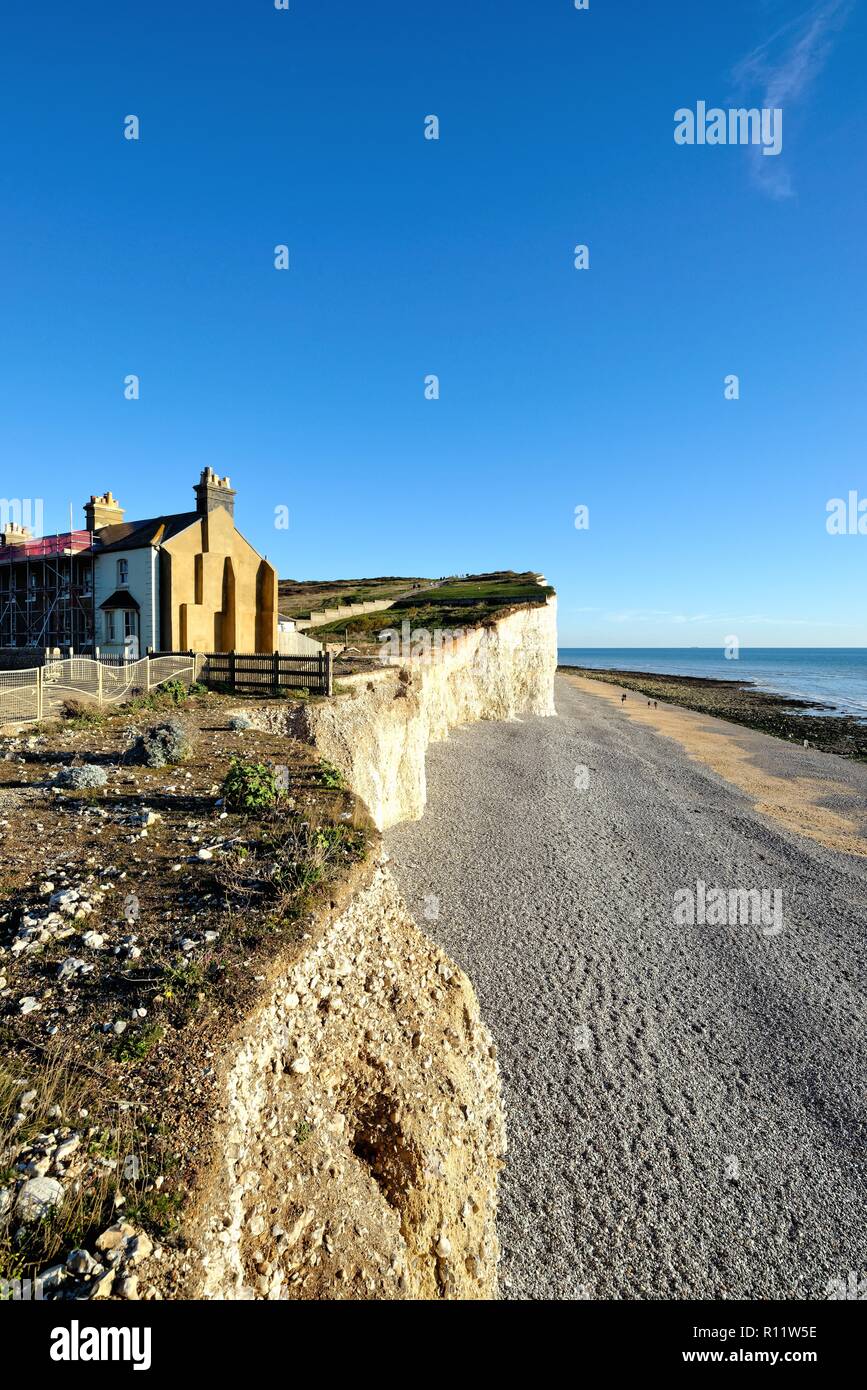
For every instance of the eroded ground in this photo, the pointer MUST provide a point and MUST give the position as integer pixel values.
(138, 923)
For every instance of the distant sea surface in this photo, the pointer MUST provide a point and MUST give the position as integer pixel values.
(835, 676)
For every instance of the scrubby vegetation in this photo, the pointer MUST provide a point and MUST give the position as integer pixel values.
(170, 695)
(279, 870)
(164, 744)
(329, 775)
(249, 786)
(82, 778)
(79, 714)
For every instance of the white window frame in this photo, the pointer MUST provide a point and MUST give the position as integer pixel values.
(123, 573)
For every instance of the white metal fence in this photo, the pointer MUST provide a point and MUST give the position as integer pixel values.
(28, 696)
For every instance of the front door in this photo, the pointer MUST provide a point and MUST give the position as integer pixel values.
(130, 634)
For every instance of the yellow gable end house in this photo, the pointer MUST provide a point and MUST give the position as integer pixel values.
(181, 582)
(176, 582)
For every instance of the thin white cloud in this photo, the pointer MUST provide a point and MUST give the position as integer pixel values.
(782, 69)
(654, 615)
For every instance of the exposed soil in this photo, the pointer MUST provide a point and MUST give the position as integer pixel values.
(189, 917)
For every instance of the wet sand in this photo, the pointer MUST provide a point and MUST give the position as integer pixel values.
(740, 702)
(810, 794)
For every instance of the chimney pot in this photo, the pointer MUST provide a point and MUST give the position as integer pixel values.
(212, 491)
(15, 534)
(102, 510)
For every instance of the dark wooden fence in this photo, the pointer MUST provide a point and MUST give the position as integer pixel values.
(265, 673)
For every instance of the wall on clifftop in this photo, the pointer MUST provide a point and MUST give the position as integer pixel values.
(377, 733)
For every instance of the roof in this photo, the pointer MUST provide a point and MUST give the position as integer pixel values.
(46, 547)
(121, 598)
(137, 535)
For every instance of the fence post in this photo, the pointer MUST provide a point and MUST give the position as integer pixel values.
(329, 672)
(232, 670)
(39, 694)
(276, 677)
(99, 682)
(148, 670)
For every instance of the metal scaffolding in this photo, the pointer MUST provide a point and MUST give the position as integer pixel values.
(46, 593)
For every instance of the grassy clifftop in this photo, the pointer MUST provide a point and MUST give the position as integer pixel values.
(296, 598)
(459, 602)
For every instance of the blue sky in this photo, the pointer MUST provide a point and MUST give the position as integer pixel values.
(455, 257)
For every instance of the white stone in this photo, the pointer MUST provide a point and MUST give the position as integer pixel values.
(103, 1287)
(66, 1148)
(444, 1246)
(139, 1249)
(38, 1197)
(37, 1167)
(115, 1236)
(82, 1262)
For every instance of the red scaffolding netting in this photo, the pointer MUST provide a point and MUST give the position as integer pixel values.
(47, 547)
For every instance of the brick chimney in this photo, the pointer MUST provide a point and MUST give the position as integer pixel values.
(212, 492)
(102, 511)
(13, 534)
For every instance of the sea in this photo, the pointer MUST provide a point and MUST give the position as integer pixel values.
(833, 677)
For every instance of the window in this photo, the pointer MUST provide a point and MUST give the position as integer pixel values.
(128, 622)
(109, 625)
(123, 573)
